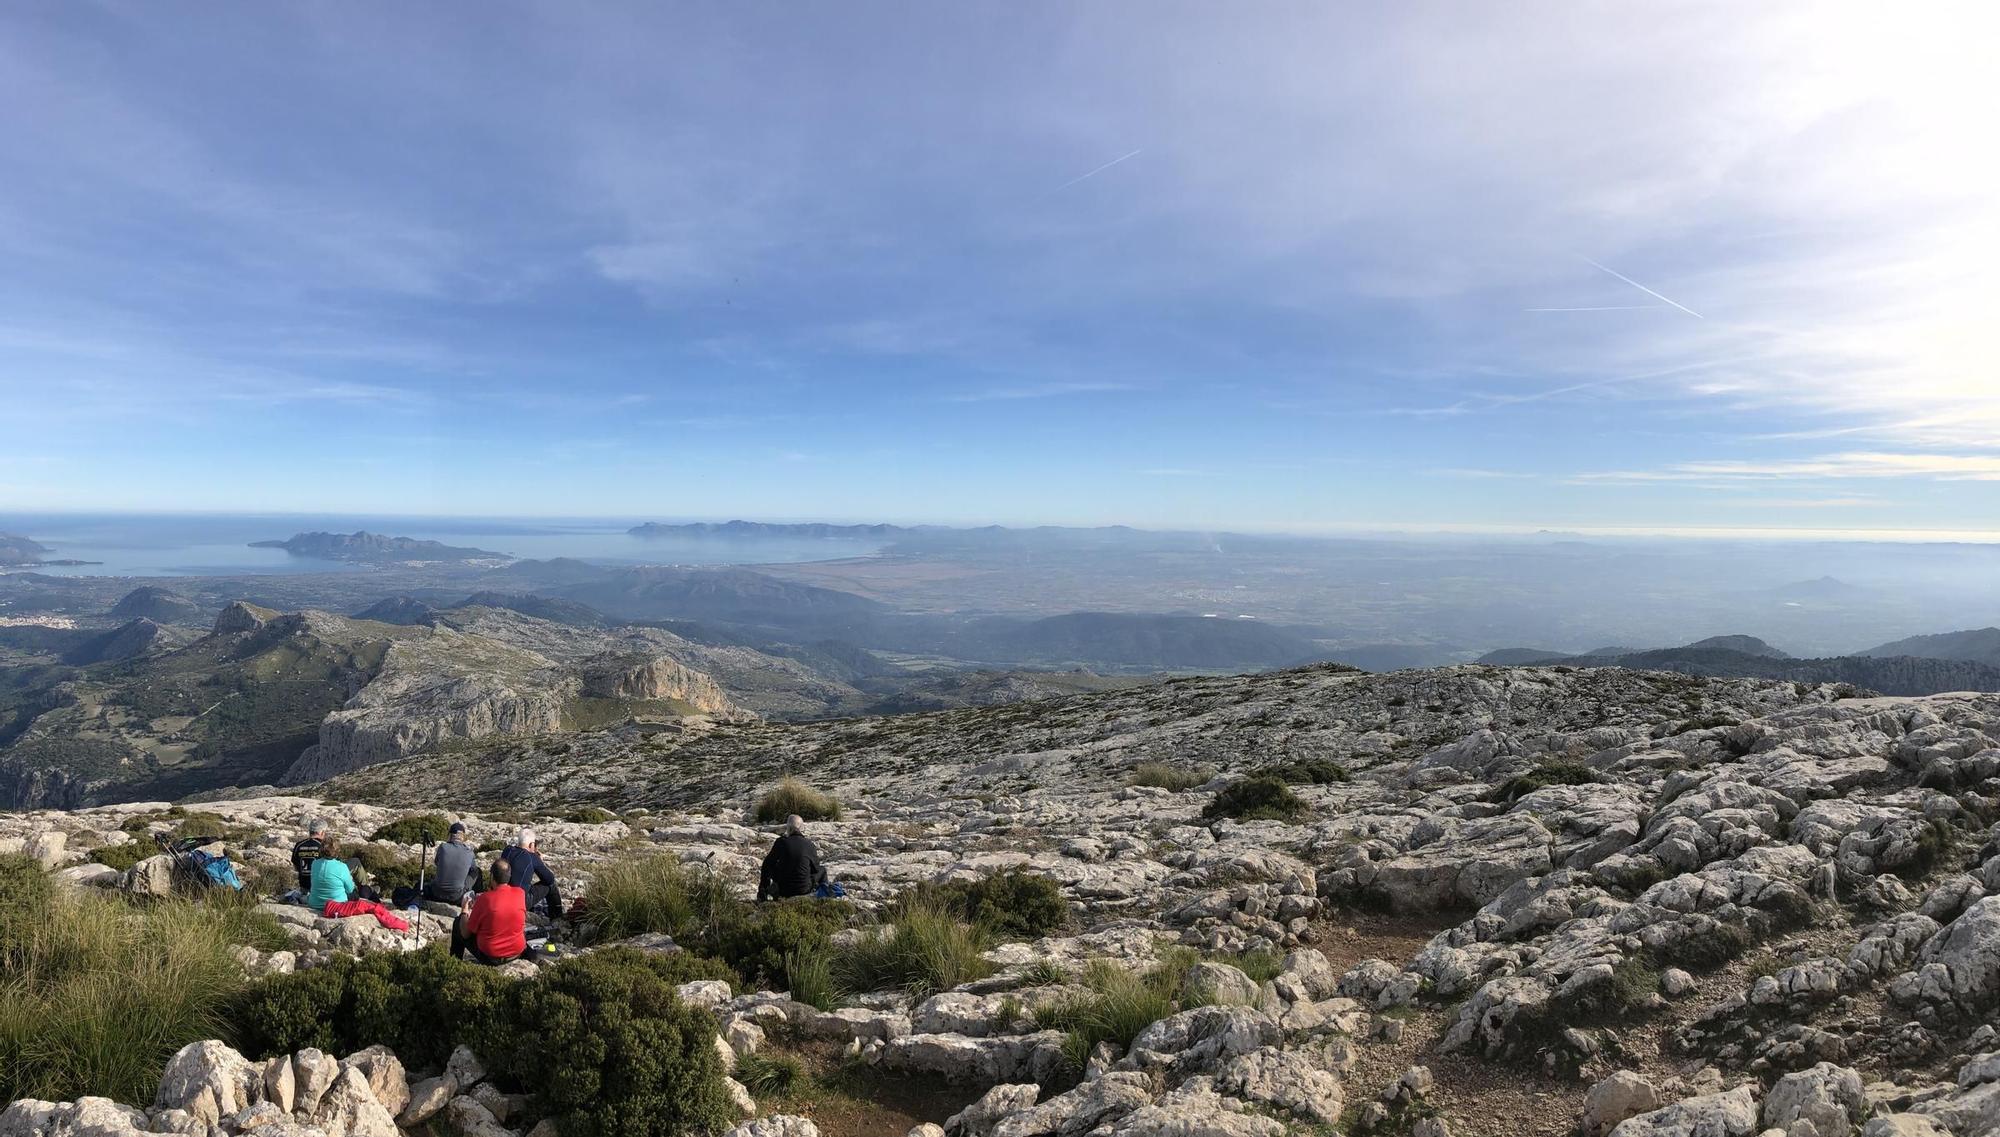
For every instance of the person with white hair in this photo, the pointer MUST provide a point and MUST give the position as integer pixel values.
(309, 849)
(792, 867)
(528, 873)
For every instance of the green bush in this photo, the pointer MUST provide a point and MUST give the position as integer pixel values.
(1260, 965)
(1549, 772)
(414, 829)
(757, 942)
(1255, 799)
(96, 994)
(926, 950)
(791, 796)
(600, 1040)
(388, 869)
(658, 894)
(1162, 776)
(1305, 772)
(416, 1003)
(1011, 905)
(609, 1051)
(121, 857)
(588, 815)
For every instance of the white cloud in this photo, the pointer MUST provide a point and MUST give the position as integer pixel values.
(1858, 464)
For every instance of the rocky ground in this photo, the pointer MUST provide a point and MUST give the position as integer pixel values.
(1545, 901)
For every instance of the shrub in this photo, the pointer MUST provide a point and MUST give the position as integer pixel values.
(1011, 905)
(388, 869)
(1549, 772)
(791, 796)
(609, 1051)
(414, 829)
(1305, 772)
(95, 994)
(658, 894)
(1255, 799)
(928, 949)
(121, 857)
(588, 815)
(600, 1040)
(758, 942)
(416, 1003)
(1161, 776)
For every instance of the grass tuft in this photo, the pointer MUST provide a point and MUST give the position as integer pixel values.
(1162, 776)
(926, 950)
(791, 796)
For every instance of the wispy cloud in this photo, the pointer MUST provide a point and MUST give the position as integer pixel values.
(1040, 391)
(1477, 473)
(1857, 464)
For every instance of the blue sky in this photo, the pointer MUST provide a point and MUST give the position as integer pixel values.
(1263, 266)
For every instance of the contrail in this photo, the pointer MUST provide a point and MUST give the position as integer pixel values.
(1628, 280)
(1108, 165)
(1601, 308)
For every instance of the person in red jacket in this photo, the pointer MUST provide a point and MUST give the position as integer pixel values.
(496, 930)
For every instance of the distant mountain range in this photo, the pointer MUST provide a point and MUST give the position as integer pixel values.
(758, 529)
(1980, 645)
(374, 548)
(1897, 673)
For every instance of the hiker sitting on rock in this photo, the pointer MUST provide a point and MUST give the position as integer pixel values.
(309, 849)
(792, 867)
(328, 879)
(525, 867)
(457, 875)
(496, 930)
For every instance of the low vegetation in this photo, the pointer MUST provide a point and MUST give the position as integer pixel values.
(96, 993)
(1011, 905)
(927, 949)
(1120, 1004)
(1177, 779)
(600, 1042)
(792, 796)
(414, 829)
(1305, 772)
(1548, 772)
(1257, 798)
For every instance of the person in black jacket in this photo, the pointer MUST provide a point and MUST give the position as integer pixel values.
(792, 867)
(308, 850)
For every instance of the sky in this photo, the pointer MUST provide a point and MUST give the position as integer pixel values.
(1284, 266)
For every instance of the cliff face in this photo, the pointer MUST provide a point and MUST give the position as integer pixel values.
(627, 676)
(453, 687)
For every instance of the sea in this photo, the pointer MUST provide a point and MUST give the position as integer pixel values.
(219, 544)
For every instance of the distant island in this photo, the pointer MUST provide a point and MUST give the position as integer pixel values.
(808, 530)
(374, 548)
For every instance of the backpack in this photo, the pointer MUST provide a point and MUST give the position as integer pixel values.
(217, 870)
(831, 890)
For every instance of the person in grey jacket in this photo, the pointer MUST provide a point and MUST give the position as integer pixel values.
(457, 875)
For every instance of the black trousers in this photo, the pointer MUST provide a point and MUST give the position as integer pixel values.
(463, 945)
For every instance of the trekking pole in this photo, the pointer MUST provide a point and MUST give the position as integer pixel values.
(417, 905)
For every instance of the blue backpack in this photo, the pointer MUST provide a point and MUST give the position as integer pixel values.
(218, 870)
(831, 890)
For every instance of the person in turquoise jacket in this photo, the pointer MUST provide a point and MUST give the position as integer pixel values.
(331, 880)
